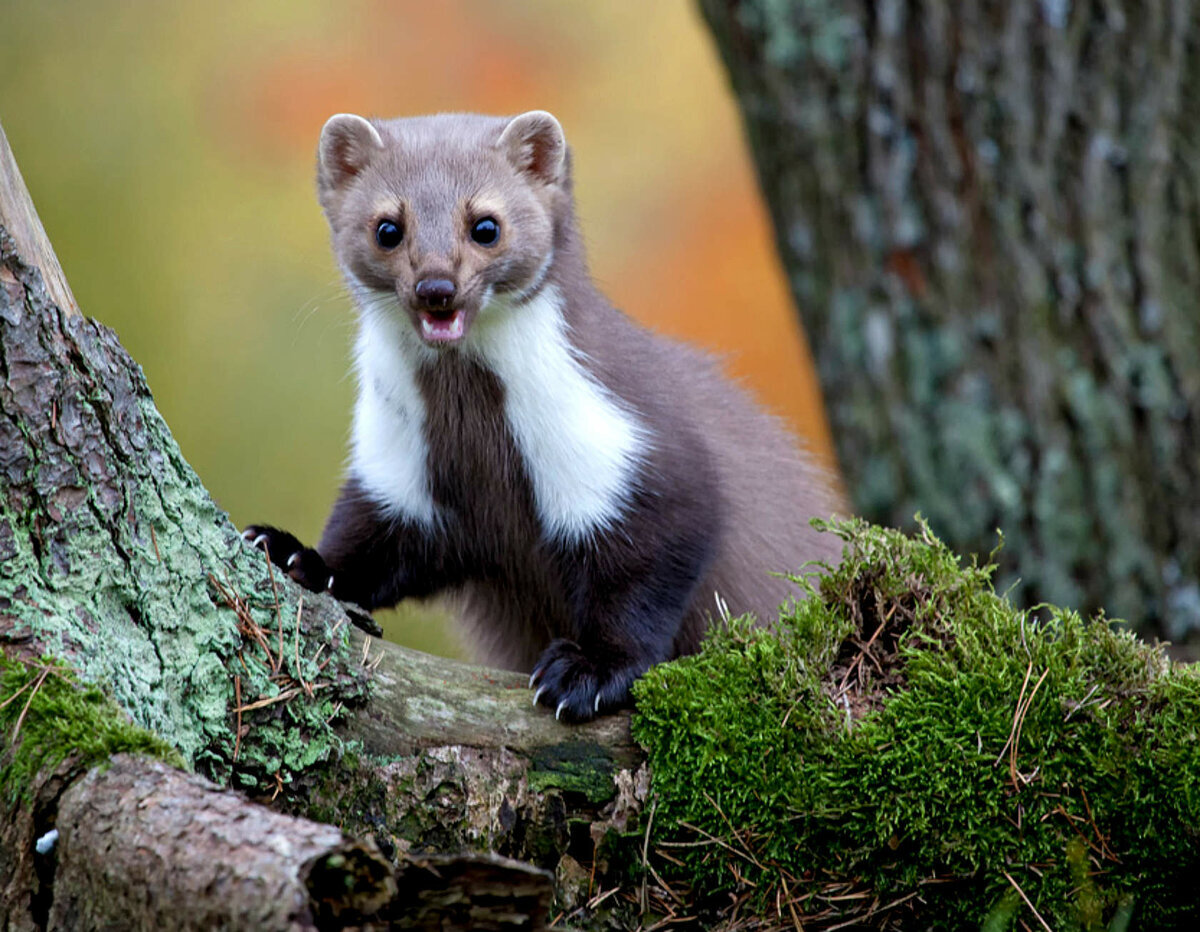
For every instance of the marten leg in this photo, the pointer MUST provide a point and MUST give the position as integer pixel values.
(630, 606)
(303, 564)
(363, 556)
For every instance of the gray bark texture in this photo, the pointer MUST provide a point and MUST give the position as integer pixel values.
(188, 855)
(115, 562)
(989, 213)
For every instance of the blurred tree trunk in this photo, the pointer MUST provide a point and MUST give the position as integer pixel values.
(989, 213)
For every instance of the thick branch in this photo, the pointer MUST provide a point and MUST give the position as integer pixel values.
(142, 845)
(23, 224)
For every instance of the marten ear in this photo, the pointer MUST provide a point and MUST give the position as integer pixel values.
(535, 144)
(347, 144)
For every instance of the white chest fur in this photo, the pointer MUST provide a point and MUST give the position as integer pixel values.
(581, 447)
(388, 451)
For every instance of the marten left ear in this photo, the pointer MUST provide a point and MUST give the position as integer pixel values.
(348, 143)
(535, 144)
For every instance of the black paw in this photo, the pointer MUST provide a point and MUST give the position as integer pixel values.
(575, 687)
(301, 563)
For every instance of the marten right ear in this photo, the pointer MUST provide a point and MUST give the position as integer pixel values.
(347, 144)
(535, 144)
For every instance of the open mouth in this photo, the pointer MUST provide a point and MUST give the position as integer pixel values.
(442, 326)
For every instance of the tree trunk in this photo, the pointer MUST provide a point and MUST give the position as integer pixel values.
(990, 217)
(115, 561)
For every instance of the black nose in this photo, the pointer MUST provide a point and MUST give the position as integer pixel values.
(435, 293)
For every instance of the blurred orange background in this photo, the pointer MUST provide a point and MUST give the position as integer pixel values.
(169, 148)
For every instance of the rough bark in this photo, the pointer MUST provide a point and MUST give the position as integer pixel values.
(142, 845)
(114, 560)
(988, 211)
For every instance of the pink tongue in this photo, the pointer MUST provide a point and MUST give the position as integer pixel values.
(442, 328)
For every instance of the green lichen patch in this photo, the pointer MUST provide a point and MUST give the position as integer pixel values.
(46, 716)
(905, 738)
(115, 559)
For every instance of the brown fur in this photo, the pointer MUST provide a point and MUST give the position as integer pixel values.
(721, 499)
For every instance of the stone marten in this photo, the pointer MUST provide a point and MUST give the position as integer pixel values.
(580, 486)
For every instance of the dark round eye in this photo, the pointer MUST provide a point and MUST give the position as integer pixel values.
(388, 234)
(486, 231)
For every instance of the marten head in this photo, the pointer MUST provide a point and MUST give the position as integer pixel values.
(443, 213)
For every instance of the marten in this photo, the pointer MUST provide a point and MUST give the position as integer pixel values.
(582, 488)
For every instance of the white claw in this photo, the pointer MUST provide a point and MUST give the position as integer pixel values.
(533, 677)
(329, 585)
(260, 539)
(247, 534)
(558, 711)
(538, 695)
(596, 704)
(293, 559)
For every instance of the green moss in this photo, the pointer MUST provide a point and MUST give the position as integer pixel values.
(886, 769)
(573, 767)
(59, 718)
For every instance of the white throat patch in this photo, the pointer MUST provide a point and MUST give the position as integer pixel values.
(388, 452)
(580, 445)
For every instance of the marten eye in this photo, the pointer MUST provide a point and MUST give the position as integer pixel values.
(388, 234)
(486, 231)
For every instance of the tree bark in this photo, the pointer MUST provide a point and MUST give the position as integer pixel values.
(114, 560)
(191, 856)
(989, 215)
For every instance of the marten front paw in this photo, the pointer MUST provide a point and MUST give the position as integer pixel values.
(302, 563)
(574, 686)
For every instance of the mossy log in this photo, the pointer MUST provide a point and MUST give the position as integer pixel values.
(987, 210)
(115, 562)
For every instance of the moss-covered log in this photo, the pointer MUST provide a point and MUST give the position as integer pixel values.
(115, 562)
(988, 215)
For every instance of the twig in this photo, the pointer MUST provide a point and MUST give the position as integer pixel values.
(1012, 751)
(729, 825)
(17, 693)
(299, 672)
(281, 697)
(1032, 908)
(646, 853)
(37, 684)
(1016, 714)
(277, 662)
(237, 698)
(1104, 849)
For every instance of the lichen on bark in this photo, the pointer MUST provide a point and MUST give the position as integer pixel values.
(110, 547)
